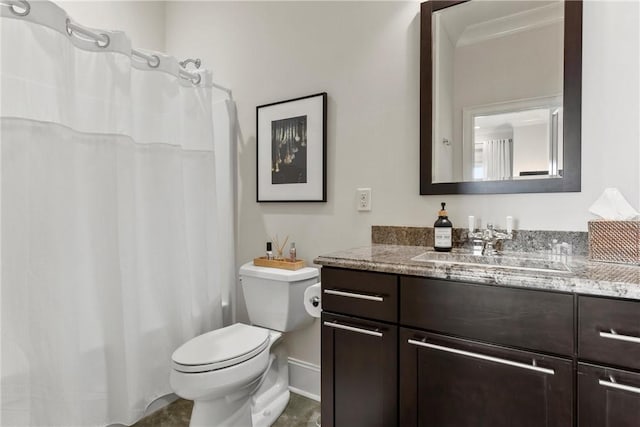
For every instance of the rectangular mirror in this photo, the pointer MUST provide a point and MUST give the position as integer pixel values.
(500, 96)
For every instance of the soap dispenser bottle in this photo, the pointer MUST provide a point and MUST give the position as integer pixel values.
(442, 230)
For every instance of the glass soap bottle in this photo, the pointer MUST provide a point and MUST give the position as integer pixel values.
(442, 232)
(292, 252)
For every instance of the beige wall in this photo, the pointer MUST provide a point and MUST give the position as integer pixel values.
(143, 21)
(365, 55)
(529, 151)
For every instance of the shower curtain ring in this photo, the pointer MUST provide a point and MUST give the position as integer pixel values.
(105, 43)
(26, 7)
(101, 40)
(156, 62)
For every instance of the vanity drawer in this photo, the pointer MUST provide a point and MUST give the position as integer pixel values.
(609, 331)
(360, 293)
(537, 320)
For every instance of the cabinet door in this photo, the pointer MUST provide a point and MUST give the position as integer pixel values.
(608, 397)
(448, 382)
(359, 372)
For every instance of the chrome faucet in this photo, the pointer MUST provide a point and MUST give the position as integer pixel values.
(484, 241)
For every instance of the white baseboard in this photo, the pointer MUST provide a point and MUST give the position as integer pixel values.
(304, 378)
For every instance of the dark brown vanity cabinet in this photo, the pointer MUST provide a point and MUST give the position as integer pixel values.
(417, 352)
(359, 355)
(608, 353)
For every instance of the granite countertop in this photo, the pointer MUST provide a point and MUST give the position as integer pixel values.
(573, 274)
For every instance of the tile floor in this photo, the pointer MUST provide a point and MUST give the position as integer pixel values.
(300, 412)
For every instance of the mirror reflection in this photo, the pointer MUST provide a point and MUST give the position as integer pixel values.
(497, 91)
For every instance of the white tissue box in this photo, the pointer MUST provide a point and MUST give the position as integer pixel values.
(614, 241)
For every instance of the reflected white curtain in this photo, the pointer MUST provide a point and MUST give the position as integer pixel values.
(112, 250)
(498, 159)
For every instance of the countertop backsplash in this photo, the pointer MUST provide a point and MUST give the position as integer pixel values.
(523, 240)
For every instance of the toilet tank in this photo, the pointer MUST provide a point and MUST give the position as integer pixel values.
(274, 296)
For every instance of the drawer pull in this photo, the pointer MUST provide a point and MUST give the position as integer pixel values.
(354, 295)
(531, 367)
(613, 384)
(616, 336)
(353, 329)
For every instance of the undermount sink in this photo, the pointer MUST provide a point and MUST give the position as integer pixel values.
(526, 262)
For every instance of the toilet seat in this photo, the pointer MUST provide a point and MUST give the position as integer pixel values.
(220, 348)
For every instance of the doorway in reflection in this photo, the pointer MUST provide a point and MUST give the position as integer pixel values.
(517, 144)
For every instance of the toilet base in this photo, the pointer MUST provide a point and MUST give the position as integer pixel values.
(270, 413)
(221, 413)
(270, 400)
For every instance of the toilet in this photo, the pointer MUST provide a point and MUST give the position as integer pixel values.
(237, 376)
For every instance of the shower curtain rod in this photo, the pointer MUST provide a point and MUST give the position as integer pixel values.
(102, 40)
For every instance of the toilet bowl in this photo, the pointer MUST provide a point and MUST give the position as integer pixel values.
(237, 376)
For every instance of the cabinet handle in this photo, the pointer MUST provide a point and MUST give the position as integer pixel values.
(616, 336)
(531, 367)
(613, 384)
(353, 329)
(354, 295)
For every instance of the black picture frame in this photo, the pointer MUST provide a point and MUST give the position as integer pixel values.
(291, 150)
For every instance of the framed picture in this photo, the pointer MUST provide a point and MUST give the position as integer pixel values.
(292, 143)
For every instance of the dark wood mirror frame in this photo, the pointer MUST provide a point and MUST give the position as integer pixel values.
(572, 103)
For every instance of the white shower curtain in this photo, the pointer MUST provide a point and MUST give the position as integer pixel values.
(117, 222)
(498, 159)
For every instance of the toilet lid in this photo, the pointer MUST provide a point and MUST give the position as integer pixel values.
(220, 348)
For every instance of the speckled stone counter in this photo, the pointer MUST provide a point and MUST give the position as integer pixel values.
(523, 240)
(578, 276)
